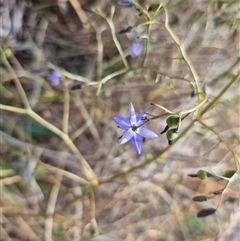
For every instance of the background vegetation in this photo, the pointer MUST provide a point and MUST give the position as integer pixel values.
(63, 174)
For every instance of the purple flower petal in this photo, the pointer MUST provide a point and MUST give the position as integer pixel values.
(132, 114)
(54, 77)
(125, 3)
(126, 136)
(137, 143)
(135, 49)
(144, 132)
(122, 122)
(140, 118)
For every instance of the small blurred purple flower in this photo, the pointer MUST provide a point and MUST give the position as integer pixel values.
(134, 129)
(135, 49)
(54, 77)
(125, 3)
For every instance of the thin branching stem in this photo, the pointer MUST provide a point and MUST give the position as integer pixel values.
(16, 80)
(222, 92)
(183, 52)
(99, 54)
(236, 158)
(66, 108)
(51, 207)
(147, 45)
(86, 168)
(67, 174)
(114, 37)
(68, 74)
(184, 112)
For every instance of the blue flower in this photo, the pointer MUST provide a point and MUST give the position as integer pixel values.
(54, 77)
(125, 3)
(134, 129)
(135, 49)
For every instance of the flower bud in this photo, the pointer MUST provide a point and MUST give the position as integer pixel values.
(171, 135)
(229, 173)
(173, 121)
(202, 174)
